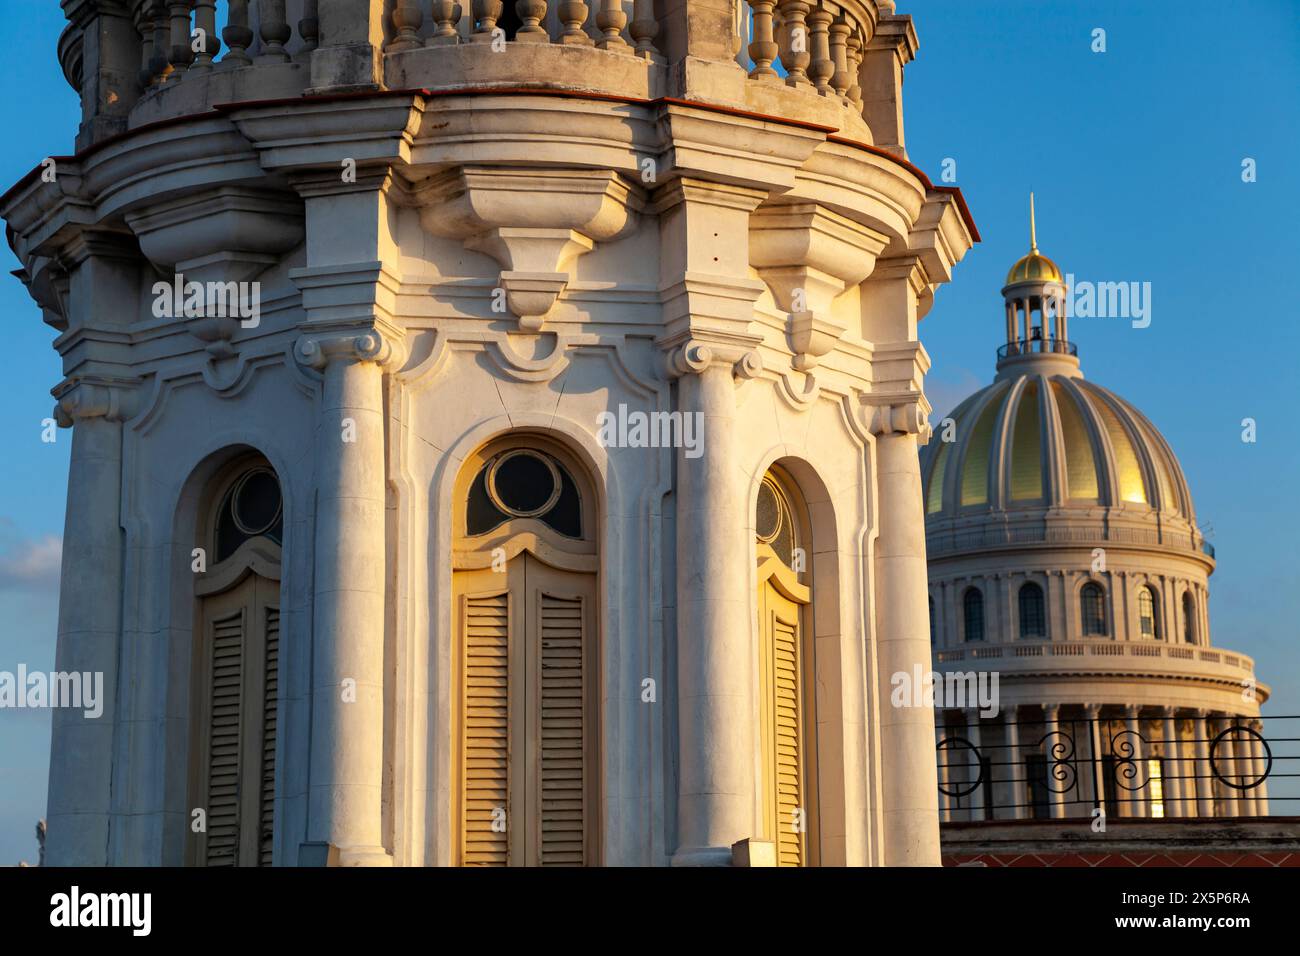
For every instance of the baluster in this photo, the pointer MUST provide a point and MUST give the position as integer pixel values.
(573, 14)
(309, 26)
(531, 12)
(839, 56)
(763, 49)
(205, 19)
(159, 66)
(486, 14)
(446, 14)
(275, 32)
(794, 41)
(644, 26)
(822, 67)
(237, 35)
(181, 54)
(856, 50)
(611, 21)
(145, 28)
(407, 20)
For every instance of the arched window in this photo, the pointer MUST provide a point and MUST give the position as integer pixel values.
(1189, 618)
(524, 587)
(236, 661)
(932, 622)
(1092, 608)
(1033, 621)
(788, 726)
(1149, 613)
(972, 605)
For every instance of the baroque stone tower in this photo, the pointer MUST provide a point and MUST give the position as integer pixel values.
(348, 294)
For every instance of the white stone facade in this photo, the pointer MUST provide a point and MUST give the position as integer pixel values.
(451, 252)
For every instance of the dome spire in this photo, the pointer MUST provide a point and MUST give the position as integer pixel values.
(1033, 232)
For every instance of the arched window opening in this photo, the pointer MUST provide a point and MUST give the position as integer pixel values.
(1033, 623)
(973, 614)
(1149, 613)
(526, 642)
(788, 726)
(1092, 606)
(234, 715)
(1189, 618)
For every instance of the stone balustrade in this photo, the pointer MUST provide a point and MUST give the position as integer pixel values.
(1029, 654)
(817, 60)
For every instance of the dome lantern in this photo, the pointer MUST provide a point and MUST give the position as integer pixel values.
(1035, 295)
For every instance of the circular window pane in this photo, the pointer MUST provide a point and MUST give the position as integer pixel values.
(767, 520)
(523, 484)
(255, 503)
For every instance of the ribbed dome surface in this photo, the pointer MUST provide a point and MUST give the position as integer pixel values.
(1038, 439)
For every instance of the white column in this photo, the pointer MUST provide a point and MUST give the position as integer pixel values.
(1051, 738)
(973, 734)
(942, 760)
(1097, 767)
(1016, 760)
(1172, 783)
(346, 774)
(1204, 778)
(90, 594)
(1136, 799)
(716, 777)
(1226, 759)
(1261, 770)
(902, 642)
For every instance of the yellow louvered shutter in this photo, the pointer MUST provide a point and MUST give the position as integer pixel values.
(225, 696)
(270, 693)
(485, 758)
(787, 710)
(563, 701)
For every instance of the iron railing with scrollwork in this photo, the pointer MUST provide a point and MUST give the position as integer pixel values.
(1044, 769)
(1027, 346)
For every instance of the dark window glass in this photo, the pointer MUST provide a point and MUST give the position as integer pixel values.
(251, 508)
(1032, 616)
(1092, 603)
(525, 483)
(1040, 799)
(1189, 618)
(931, 622)
(973, 612)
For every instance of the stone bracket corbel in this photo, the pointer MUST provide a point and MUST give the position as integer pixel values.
(534, 222)
(79, 399)
(892, 413)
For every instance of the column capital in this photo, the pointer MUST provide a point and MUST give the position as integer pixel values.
(695, 354)
(78, 399)
(384, 346)
(898, 412)
(1092, 710)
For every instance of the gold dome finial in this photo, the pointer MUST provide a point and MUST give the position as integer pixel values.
(1033, 232)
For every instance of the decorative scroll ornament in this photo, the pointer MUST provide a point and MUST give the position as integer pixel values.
(317, 350)
(906, 413)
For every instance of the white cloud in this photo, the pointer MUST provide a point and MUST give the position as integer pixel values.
(28, 564)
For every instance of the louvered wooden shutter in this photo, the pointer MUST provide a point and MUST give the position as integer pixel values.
(563, 786)
(270, 702)
(486, 733)
(225, 696)
(789, 742)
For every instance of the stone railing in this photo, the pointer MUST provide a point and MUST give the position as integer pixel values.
(802, 57)
(946, 542)
(1092, 648)
(818, 45)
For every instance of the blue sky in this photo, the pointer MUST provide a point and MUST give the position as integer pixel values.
(1135, 156)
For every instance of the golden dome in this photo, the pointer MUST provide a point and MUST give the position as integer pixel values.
(1034, 267)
